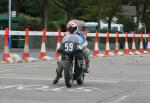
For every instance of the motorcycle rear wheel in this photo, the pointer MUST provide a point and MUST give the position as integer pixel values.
(80, 80)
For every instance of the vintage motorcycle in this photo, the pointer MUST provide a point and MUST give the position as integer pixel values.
(73, 62)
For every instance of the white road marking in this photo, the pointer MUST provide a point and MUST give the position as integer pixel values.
(58, 89)
(33, 87)
(85, 89)
(120, 80)
(46, 88)
(72, 90)
(101, 80)
(119, 100)
(37, 77)
(31, 77)
(9, 86)
(5, 70)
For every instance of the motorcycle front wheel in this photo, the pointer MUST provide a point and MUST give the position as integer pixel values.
(68, 73)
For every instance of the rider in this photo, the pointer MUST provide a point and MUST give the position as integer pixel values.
(73, 28)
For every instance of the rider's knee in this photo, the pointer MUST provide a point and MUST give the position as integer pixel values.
(87, 53)
(59, 62)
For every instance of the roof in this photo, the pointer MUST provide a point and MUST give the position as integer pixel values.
(4, 17)
(129, 10)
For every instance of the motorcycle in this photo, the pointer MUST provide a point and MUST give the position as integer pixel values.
(73, 62)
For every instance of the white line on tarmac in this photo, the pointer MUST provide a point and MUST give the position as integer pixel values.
(30, 77)
(37, 77)
(119, 100)
(5, 70)
(122, 80)
(58, 89)
(100, 80)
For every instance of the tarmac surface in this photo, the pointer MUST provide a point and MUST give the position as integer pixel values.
(33, 52)
(119, 79)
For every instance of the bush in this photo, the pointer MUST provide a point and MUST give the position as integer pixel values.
(33, 23)
(54, 25)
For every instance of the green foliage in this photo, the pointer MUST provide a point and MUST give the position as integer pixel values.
(60, 11)
(128, 23)
(3, 6)
(71, 7)
(54, 25)
(111, 8)
(90, 10)
(27, 21)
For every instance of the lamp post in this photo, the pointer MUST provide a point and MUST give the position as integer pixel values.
(9, 13)
(9, 21)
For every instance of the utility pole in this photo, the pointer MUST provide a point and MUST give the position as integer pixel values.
(9, 22)
(9, 13)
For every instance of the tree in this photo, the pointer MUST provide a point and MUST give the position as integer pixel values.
(44, 4)
(111, 8)
(137, 15)
(3, 6)
(90, 10)
(17, 5)
(128, 23)
(34, 8)
(142, 11)
(145, 14)
(70, 6)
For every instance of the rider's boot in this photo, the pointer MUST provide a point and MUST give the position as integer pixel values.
(87, 54)
(59, 71)
(87, 67)
(58, 76)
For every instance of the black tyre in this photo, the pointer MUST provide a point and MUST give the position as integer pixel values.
(80, 80)
(68, 74)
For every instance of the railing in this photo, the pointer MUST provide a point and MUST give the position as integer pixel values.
(39, 33)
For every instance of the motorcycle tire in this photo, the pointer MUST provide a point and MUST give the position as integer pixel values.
(68, 74)
(80, 80)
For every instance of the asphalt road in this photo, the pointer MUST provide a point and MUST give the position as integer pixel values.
(33, 53)
(120, 79)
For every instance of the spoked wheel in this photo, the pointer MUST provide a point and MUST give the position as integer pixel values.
(68, 74)
(81, 79)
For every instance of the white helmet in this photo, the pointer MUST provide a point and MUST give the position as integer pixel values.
(73, 26)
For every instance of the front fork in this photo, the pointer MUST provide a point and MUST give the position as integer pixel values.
(73, 67)
(78, 64)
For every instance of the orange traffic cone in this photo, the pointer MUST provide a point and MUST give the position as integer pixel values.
(96, 48)
(107, 50)
(26, 54)
(126, 50)
(116, 44)
(43, 47)
(58, 44)
(133, 43)
(141, 43)
(148, 45)
(6, 48)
